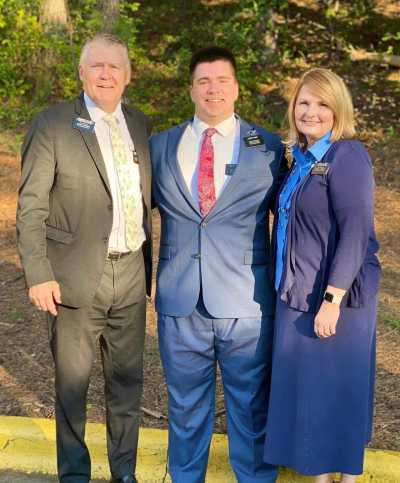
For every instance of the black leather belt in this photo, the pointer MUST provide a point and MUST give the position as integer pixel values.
(115, 256)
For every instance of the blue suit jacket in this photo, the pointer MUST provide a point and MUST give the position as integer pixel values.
(227, 253)
(330, 236)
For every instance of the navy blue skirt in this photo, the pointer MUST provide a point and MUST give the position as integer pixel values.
(321, 402)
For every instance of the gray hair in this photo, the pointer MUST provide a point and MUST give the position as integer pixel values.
(107, 38)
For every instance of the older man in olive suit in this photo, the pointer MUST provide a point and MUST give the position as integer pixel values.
(84, 225)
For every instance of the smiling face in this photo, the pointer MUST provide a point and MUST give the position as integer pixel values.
(214, 91)
(312, 116)
(104, 72)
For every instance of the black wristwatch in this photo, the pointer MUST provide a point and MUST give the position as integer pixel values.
(332, 299)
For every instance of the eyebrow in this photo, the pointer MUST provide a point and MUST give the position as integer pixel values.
(103, 62)
(220, 77)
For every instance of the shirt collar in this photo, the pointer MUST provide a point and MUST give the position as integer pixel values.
(301, 157)
(96, 113)
(319, 148)
(224, 128)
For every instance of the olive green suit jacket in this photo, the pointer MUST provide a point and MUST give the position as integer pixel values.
(64, 213)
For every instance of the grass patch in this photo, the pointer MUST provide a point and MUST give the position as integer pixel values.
(11, 141)
(16, 315)
(392, 321)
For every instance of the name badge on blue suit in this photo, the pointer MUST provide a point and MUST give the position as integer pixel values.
(230, 169)
(320, 168)
(253, 139)
(84, 125)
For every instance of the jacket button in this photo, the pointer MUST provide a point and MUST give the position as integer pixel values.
(110, 207)
(203, 224)
(105, 239)
(197, 256)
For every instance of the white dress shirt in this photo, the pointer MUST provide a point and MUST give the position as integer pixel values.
(117, 240)
(226, 143)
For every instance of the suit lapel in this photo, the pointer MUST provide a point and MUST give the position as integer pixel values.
(237, 178)
(138, 135)
(91, 142)
(174, 138)
(230, 188)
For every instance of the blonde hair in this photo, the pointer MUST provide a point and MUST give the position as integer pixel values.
(332, 90)
(108, 39)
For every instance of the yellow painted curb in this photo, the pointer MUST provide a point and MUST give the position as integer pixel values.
(28, 445)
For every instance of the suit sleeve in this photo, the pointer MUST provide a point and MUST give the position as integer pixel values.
(152, 145)
(351, 189)
(279, 176)
(37, 177)
(149, 126)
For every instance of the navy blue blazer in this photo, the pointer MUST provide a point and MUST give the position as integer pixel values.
(331, 237)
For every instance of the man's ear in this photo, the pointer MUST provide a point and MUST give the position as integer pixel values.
(128, 76)
(237, 90)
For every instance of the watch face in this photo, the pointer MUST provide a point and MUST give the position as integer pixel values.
(328, 297)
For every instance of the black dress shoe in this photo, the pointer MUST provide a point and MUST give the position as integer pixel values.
(124, 479)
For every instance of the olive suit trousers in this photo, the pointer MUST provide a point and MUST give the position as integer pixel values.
(116, 319)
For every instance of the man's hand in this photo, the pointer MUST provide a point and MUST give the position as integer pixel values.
(45, 296)
(326, 320)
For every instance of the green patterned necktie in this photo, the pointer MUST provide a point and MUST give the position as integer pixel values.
(126, 178)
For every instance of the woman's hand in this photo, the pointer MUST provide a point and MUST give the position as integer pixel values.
(326, 320)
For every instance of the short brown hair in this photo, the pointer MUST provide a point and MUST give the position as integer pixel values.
(211, 54)
(332, 90)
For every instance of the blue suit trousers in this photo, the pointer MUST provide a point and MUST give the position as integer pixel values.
(190, 348)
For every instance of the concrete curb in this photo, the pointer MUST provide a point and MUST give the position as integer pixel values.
(28, 445)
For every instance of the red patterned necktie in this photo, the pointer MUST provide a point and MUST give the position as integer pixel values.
(205, 183)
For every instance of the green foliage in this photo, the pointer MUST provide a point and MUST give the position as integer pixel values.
(268, 37)
(11, 140)
(393, 132)
(239, 26)
(15, 315)
(37, 67)
(20, 41)
(392, 42)
(392, 321)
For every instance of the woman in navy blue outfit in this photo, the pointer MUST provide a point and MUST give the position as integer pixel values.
(327, 276)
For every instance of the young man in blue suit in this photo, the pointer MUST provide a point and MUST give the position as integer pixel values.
(215, 180)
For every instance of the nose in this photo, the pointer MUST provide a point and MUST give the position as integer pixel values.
(214, 87)
(105, 72)
(312, 110)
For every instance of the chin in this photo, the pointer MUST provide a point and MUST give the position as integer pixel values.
(313, 134)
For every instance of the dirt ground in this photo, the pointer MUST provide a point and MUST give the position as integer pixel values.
(26, 372)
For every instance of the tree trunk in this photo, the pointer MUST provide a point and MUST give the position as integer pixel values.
(54, 18)
(110, 13)
(54, 15)
(267, 34)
